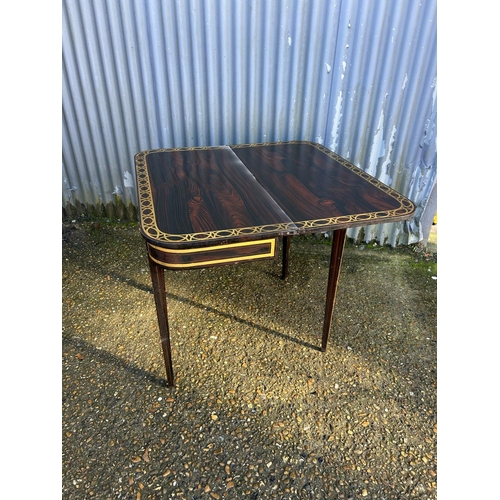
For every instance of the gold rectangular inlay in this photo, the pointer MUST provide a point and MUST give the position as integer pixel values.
(239, 258)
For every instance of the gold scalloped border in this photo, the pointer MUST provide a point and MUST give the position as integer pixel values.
(148, 218)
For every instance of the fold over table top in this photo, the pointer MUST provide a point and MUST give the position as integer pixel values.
(194, 197)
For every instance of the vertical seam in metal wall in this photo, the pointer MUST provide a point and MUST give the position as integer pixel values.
(334, 66)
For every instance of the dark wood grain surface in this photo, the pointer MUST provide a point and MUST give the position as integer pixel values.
(192, 197)
(206, 194)
(316, 188)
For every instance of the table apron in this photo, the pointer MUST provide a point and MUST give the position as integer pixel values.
(228, 253)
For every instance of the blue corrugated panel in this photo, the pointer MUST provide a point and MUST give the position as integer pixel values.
(356, 75)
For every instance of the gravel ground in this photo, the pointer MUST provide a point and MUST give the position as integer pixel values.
(258, 411)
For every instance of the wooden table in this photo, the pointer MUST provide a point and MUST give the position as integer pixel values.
(210, 206)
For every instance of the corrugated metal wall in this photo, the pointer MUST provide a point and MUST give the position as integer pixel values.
(358, 76)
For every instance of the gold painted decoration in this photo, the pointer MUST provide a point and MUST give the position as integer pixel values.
(205, 251)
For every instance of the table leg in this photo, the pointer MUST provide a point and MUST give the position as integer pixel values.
(333, 278)
(158, 279)
(286, 256)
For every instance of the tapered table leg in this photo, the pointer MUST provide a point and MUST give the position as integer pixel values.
(333, 278)
(158, 279)
(286, 256)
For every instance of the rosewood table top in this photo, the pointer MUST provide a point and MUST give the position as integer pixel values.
(192, 197)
